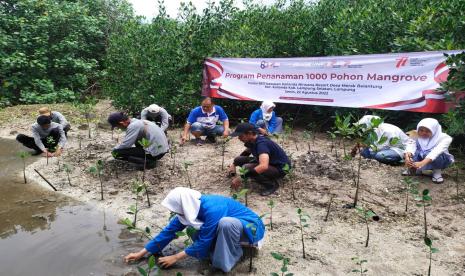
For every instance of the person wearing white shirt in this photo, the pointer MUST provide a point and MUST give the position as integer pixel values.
(431, 152)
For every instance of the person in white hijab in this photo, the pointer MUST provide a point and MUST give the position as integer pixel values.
(156, 114)
(266, 120)
(222, 223)
(431, 151)
(396, 142)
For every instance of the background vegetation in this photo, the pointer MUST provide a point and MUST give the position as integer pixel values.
(55, 51)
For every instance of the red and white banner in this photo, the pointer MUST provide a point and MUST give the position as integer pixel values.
(400, 81)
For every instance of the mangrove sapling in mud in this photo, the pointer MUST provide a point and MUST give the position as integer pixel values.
(287, 133)
(431, 249)
(253, 229)
(307, 135)
(360, 268)
(50, 141)
(411, 187)
(145, 144)
(186, 168)
(271, 205)
(291, 175)
(137, 188)
(245, 181)
(424, 200)
(115, 156)
(151, 267)
(285, 262)
(333, 137)
(328, 209)
(457, 167)
(224, 144)
(241, 194)
(302, 224)
(68, 169)
(24, 155)
(189, 233)
(98, 171)
(344, 129)
(366, 215)
(173, 151)
(86, 108)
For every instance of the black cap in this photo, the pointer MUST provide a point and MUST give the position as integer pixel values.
(115, 118)
(43, 120)
(243, 128)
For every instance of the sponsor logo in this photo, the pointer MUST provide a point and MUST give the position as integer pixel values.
(267, 65)
(402, 61)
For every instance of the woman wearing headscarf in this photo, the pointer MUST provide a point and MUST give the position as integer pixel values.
(222, 223)
(266, 120)
(389, 150)
(431, 150)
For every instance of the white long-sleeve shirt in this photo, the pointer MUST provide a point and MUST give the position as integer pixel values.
(391, 131)
(442, 147)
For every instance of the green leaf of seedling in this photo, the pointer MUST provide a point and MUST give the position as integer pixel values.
(303, 220)
(142, 271)
(180, 234)
(147, 230)
(434, 250)
(289, 274)
(139, 189)
(354, 258)
(370, 214)
(427, 198)
(428, 242)
(178, 274)
(283, 269)
(355, 270)
(365, 270)
(151, 262)
(274, 274)
(299, 211)
(363, 261)
(277, 256)
(305, 225)
(425, 192)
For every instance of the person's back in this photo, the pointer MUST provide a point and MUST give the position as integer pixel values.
(276, 154)
(157, 138)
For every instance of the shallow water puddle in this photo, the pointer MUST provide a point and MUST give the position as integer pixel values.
(43, 233)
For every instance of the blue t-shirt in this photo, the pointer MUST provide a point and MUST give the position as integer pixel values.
(208, 120)
(278, 157)
(212, 209)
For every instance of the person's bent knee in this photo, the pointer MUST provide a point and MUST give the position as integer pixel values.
(20, 137)
(196, 127)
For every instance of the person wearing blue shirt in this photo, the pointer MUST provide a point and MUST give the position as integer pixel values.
(202, 121)
(267, 163)
(266, 120)
(221, 223)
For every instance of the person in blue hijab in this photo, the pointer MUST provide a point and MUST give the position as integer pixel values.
(265, 119)
(221, 224)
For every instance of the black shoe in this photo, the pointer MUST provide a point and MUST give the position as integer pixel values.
(270, 189)
(211, 139)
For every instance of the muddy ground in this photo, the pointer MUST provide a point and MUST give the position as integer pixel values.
(396, 244)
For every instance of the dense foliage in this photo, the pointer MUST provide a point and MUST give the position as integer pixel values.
(51, 51)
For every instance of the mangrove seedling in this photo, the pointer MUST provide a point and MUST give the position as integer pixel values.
(424, 200)
(145, 143)
(411, 187)
(271, 205)
(85, 108)
(173, 151)
(241, 194)
(98, 171)
(23, 155)
(360, 268)
(223, 150)
(253, 229)
(115, 156)
(429, 244)
(328, 209)
(291, 175)
(186, 168)
(287, 133)
(366, 215)
(68, 169)
(333, 137)
(151, 267)
(245, 180)
(135, 230)
(307, 135)
(50, 141)
(457, 167)
(302, 224)
(189, 233)
(344, 129)
(137, 187)
(285, 262)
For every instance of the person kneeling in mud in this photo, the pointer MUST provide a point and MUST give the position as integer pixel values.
(221, 223)
(130, 149)
(392, 150)
(48, 138)
(431, 152)
(266, 165)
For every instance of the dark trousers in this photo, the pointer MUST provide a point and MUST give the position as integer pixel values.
(29, 142)
(136, 155)
(266, 178)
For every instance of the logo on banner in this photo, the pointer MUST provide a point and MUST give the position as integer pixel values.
(401, 62)
(266, 64)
